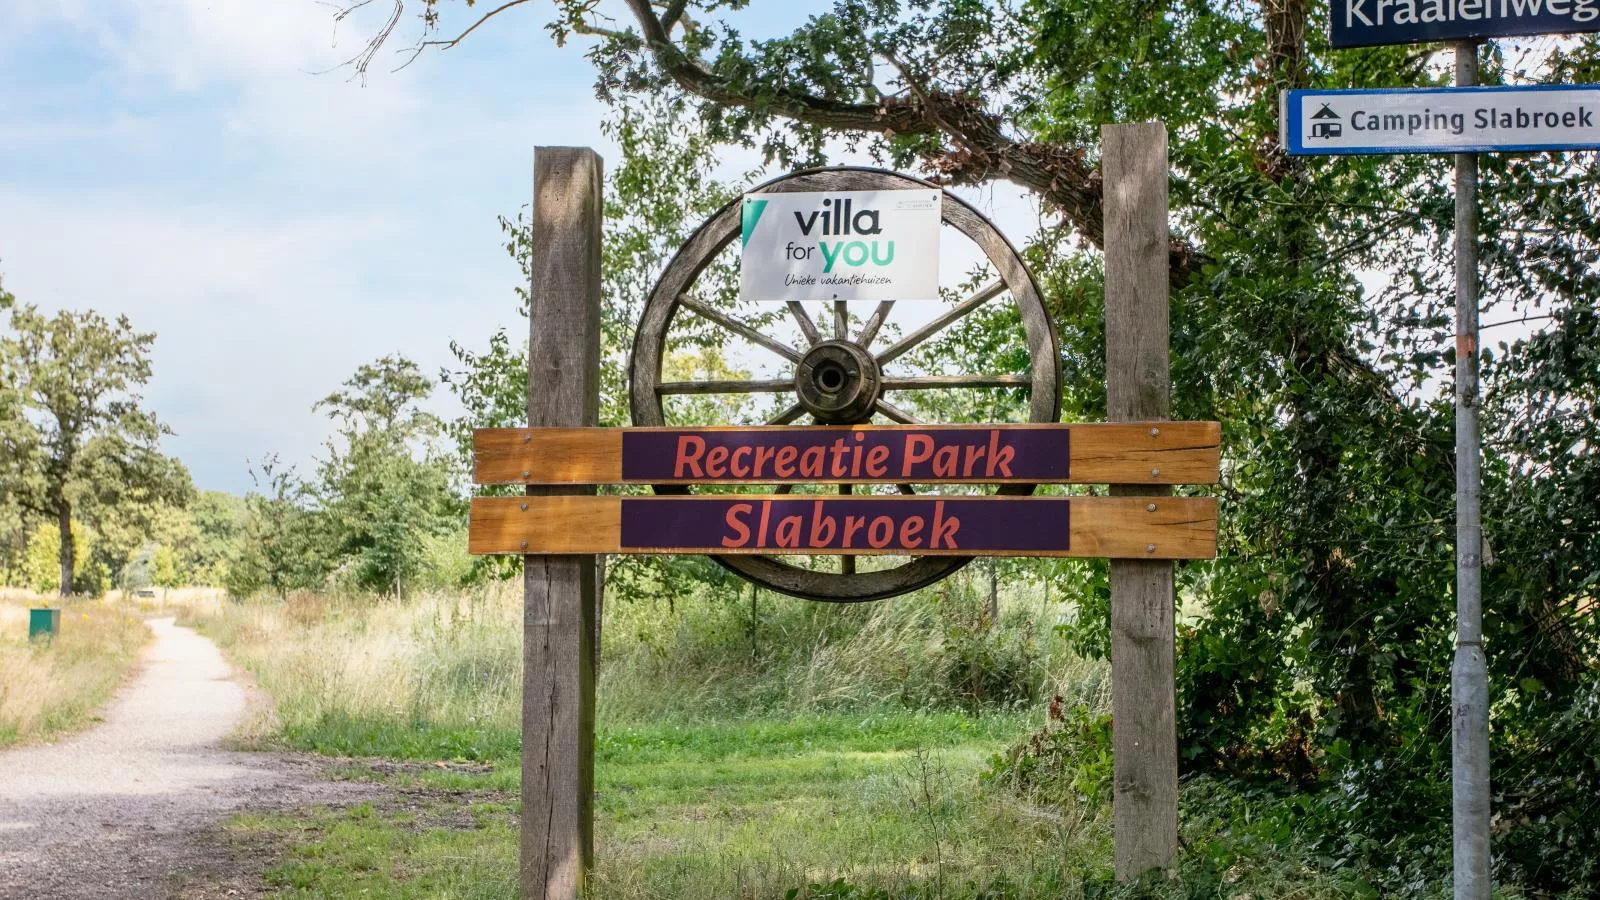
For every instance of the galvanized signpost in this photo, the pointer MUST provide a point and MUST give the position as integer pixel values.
(1464, 120)
(561, 527)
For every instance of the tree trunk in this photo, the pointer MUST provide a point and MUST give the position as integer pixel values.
(68, 550)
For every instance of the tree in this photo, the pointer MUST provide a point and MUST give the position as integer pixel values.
(384, 484)
(71, 424)
(1322, 657)
(281, 543)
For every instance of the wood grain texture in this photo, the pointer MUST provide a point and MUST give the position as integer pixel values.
(560, 593)
(1138, 387)
(1178, 528)
(1101, 453)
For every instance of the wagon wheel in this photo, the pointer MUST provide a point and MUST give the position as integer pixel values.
(838, 377)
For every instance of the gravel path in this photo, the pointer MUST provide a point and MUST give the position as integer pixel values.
(123, 810)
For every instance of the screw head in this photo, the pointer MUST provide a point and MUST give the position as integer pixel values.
(1148, 548)
(1155, 432)
(524, 474)
(525, 507)
(1148, 508)
(527, 438)
(524, 545)
(1154, 473)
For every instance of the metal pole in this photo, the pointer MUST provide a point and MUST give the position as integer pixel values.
(1469, 678)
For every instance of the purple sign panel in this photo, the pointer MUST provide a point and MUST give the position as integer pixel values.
(842, 454)
(908, 525)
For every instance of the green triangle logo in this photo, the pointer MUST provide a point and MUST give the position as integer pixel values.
(752, 214)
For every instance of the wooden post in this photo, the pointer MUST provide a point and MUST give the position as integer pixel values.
(560, 592)
(1138, 385)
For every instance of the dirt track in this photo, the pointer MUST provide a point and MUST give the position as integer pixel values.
(128, 808)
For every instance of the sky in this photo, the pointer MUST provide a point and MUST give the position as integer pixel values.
(203, 167)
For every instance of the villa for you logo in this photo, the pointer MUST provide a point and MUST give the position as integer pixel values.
(840, 245)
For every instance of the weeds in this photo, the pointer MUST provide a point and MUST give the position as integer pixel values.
(54, 685)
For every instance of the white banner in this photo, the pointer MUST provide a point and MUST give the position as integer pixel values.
(840, 245)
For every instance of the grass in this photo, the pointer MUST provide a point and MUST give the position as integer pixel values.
(742, 752)
(52, 686)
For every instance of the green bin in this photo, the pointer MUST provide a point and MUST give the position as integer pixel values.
(45, 622)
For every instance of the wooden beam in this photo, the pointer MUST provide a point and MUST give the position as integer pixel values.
(1158, 453)
(1138, 387)
(1117, 527)
(561, 593)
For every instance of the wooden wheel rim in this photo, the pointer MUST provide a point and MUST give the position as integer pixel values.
(649, 351)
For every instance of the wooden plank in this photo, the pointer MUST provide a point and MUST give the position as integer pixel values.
(1176, 528)
(1099, 453)
(1138, 387)
(561, 593)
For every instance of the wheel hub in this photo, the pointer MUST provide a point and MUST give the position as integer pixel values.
(838, 382)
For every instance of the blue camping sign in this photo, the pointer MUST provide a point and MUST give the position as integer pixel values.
(1441, 120)
(1363, 23)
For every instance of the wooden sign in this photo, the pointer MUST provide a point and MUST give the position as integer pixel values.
(1102, 453)
(1120, 527)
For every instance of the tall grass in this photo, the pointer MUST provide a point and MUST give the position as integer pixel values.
(54, 685)
(438, 676)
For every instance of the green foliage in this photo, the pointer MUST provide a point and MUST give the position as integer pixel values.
(75, 442)
(41, 566)
(384, 488)
(281, 544)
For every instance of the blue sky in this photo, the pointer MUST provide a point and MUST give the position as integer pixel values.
(183, 162)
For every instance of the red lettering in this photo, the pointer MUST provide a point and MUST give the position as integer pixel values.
(877, 538)
(839, 466)
(732, 520)
(944, 528)
(910, 530)
(763, 456)
(819, 522)
(783, 467)
(974, 453)
(878, 462)
(945, 461)
(852, 524)
(739, 469)
(919, 449)
(1000, 457)
(811, 462)
(788, 534)
(717, 462)
(686, 443)
(766, 515)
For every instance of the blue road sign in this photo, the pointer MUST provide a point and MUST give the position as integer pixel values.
(1362, 23)
(1440, 120)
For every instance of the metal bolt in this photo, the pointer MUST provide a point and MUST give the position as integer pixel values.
(1150, 508)
(1155, 432)
(525, 545)
(527, 438)
(524, 474)
(1154, 473)
(1148, 548)
(525, 507)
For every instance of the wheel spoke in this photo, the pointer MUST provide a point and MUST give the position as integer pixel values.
(841, 320)
(795, 411)
(785, 488)
(813, 336)
(895, 413)
(773, 386)
(874, 322)
(744, 329)
(900, 347)
(932, 382)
